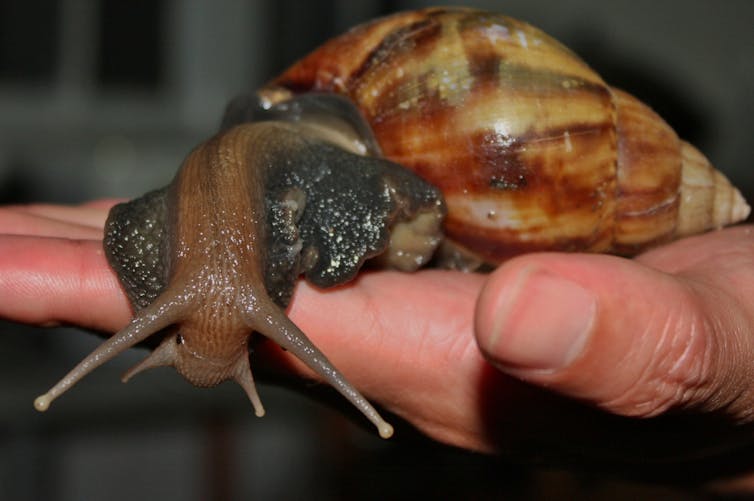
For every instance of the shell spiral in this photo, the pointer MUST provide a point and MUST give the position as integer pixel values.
(530, 147)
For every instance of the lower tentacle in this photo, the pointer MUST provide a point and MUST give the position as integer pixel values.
(285, 333)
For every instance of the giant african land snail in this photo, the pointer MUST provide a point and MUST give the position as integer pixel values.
(512, 135)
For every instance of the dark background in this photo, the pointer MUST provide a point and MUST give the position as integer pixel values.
(104, 98)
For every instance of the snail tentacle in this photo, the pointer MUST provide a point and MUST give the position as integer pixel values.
(150, 320)
(245, 379)
(277, 327)
(164, 355)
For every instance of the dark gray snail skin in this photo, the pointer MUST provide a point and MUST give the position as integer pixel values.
(212, 258)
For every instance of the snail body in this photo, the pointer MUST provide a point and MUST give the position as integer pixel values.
(513, 145)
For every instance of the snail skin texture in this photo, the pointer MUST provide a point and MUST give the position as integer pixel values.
(452, 135)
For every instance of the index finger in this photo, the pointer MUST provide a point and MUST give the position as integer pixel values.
(48, 281)
(83, 221)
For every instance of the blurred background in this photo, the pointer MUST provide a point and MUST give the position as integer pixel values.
(104, 98)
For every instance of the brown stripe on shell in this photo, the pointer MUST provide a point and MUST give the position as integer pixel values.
(497, 246)
(511, 163)
(492, 61)
(523, 45)
(487, 130)
(649, 175)
(395, 76)
(480, 50)
(328, 68)
(428, 125)
(568, 197)
(407, 42)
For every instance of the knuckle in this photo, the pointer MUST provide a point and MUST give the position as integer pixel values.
(677, 374)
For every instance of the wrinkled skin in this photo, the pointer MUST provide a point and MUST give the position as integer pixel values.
(675, 342)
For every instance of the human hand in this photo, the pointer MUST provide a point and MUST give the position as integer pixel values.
(662, 352)
(667, 338)
(676, 340)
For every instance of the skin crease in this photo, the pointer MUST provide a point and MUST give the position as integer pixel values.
(681, 349)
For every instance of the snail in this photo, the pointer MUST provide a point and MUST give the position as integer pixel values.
(444, 135)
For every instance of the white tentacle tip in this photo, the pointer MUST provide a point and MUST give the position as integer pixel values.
(386, 431)
(42, 402)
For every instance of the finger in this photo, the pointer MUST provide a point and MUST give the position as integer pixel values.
(88, 214)
(67, 223)
(726, 253)
(618, 334)
(83, 221)
(47, 281)
(102, 203)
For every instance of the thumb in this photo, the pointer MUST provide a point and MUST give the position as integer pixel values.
(625, 337)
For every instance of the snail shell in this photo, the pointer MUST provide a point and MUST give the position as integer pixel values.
(531, 149)
(528, 147)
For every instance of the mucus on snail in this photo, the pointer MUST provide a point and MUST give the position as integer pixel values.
(448, 135)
